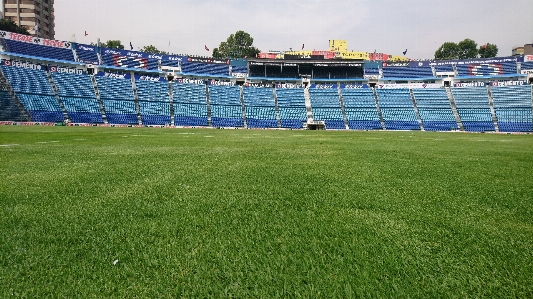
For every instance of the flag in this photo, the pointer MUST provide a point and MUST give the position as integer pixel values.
(206, 48)
(131, 46)
(86, 33)
(405, 52)
(303, 46)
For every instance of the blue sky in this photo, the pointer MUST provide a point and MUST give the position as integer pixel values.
(391, 26)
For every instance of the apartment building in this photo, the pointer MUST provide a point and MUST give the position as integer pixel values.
(36, 15)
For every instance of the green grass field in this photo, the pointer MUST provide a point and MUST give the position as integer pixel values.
(170, 213)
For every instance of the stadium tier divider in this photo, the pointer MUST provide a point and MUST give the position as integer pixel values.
(33, 89)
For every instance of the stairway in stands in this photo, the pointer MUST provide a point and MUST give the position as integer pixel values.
(413, 100)
(454, 109)
(56, 93)
(341, 102)
(492, 110)
(136, 100)
(308, 108)
(379, 110)
(100, 104)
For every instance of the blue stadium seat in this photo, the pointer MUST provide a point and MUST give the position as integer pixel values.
(260, 107)
(397, 109)
(360, 109)
(291, 106)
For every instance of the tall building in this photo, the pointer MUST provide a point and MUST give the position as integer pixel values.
(36, 15)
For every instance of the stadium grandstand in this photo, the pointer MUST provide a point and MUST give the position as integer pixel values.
(51, 81)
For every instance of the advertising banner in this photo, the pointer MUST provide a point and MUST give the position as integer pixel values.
(409, 85)
(115, 75)
(354, 86)
(35, 40)
(221, 83)
(324, 86)
(190, 81)
(22, 64)
(469, 84)
(206, 60)
(149, 78)
(507, 83)
(130, 54)
(289, 85)
(61, 69)
(250, 84)
(474, 61)
(527, 58)
(173, 58)
(395, 64)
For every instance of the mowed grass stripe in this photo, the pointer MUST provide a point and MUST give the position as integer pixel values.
(256, 213)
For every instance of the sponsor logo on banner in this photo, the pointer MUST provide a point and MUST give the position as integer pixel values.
(525, 72)
(409, 85)
(323, 86)
(221, 83)
(508, 83)
(528, 58)
(469, 84)
(58, 69)
(288, 85)
(354, 86)
(149, 78)
(248, 84)
(240, 75)
(35, 40)
(22, 64)
(485, 69)
(123, 61)
(191, 81)
(495, 60)
(395, 64)
(207, 60)
(115, 75)
(172, 58)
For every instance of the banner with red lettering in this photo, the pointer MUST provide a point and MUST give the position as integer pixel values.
(35, 40)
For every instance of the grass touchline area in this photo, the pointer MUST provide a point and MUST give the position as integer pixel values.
(139, 212)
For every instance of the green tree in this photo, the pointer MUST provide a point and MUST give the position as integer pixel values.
(447, 51)
(152, 49)
(488, 50)
(467, 49)
(114, 44)
(238, 45)
(11, 26)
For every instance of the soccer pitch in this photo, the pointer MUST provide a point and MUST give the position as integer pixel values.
(90, 212)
